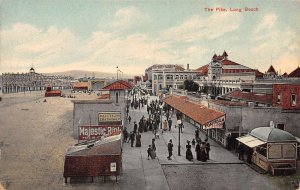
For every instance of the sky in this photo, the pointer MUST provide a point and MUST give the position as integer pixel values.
(99, 35)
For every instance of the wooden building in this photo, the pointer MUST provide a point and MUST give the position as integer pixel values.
(94, 159)
(274, 150)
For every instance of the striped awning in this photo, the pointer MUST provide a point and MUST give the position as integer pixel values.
(250, 141)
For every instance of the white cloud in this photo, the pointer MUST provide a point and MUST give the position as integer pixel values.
(277, 46)
(197, 28)
(267, 22)
(196, 51)
(129, 17)
(286, 62)
(274, 41)
(134, 50)
(24, 44)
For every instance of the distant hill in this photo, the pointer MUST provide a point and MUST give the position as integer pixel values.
(79, 74)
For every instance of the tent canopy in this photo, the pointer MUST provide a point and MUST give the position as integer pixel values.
(250, 141)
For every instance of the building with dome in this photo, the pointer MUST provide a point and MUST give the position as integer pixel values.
(274, 150)
(33, 81)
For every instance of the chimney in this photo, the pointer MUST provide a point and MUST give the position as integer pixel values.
(188, 67)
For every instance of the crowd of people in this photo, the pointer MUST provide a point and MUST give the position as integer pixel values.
(151, 123)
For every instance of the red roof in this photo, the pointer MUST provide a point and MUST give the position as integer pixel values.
(118, 85)
(195, 111)
(228, 62)
(53, 93)
(258, 74)
(203, 70)
(295, 73)
(271, 69)
(250, 96)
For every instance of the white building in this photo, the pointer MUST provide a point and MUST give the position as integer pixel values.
(168, 76)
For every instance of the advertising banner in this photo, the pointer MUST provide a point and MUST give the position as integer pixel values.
(215, 124)
(106, 118)
(95, 132)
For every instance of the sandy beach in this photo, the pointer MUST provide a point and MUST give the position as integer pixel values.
(33, 140)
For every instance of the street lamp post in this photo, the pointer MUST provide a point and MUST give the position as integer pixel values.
(179, 123)
(160, 106)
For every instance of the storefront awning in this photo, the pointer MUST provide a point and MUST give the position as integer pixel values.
(250, 141)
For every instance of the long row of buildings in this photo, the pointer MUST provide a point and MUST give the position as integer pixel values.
(32, 81)
(218, 77)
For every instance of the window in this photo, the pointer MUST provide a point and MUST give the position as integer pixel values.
(293, 99)
(278, 98)
(280, 126)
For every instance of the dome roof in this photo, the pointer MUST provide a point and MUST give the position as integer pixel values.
(270, 134)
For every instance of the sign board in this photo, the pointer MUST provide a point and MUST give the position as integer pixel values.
(106, 118)
(95, 132)
(215, 124)
(113, 166)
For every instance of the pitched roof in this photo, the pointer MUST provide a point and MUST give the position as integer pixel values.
(107, 146)
(228, 62)
(295, 73)
(203, 70)
(118, 85)
(250, 96)
(271, 69)
(195, 111)
(179, 68)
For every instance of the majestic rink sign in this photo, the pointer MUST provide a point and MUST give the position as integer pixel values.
(109, 118)
(215, 124)
(95, 132)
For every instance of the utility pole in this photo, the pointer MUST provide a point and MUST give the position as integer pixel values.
(117, 72)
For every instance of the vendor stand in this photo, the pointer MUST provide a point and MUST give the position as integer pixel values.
(274, 150)
(94, 158)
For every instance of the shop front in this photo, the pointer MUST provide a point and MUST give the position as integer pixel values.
(208, 120)
(274, 150)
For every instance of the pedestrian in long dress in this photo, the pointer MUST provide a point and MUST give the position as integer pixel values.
(197, 149)
(165, 125)
(153, 145)
(188, 153)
